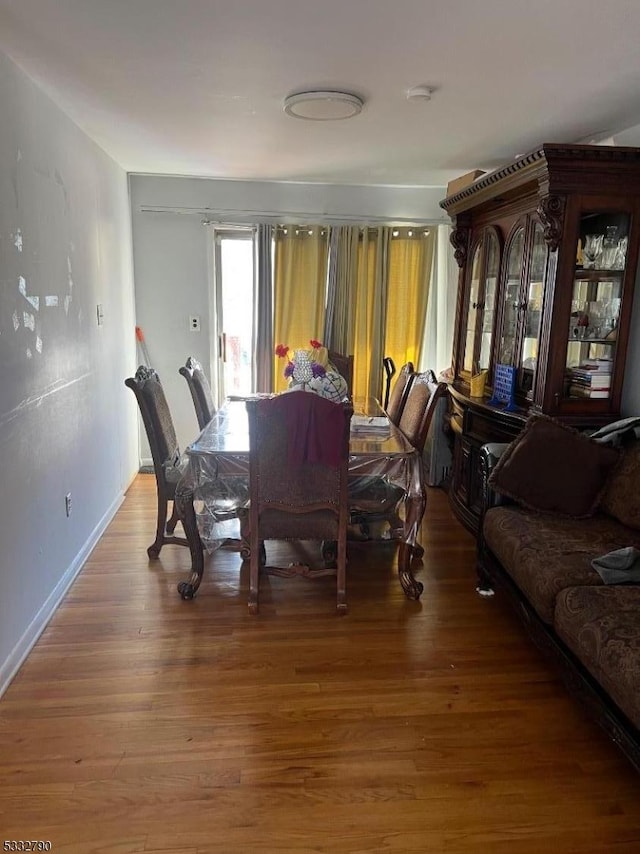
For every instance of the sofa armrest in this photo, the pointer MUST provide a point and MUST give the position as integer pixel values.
(489, 456)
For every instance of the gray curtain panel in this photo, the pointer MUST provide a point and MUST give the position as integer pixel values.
(263, 303)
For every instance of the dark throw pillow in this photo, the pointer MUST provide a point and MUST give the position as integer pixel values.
(554, 468)
(621, 498)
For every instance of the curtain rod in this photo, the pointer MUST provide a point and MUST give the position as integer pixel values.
(226, 215)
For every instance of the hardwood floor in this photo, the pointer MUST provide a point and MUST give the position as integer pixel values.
(142, 723)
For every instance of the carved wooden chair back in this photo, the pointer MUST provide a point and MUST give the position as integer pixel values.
(298, 466)
(200, 391)
(389, 372)
(344, 366)
(399, 393)
(165, 452)
(424, 394)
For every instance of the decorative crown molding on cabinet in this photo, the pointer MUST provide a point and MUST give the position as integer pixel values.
(459, 238)
(551, 213)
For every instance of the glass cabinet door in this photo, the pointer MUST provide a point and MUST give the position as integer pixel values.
(601, 256)
(468, 362)
(532, 308)
(511, 298)
(481, 299)
(489, 300)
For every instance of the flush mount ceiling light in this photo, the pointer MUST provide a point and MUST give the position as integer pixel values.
(323, 106)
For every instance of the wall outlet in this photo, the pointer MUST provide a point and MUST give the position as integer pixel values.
(194, 323)
(67, 504)
(100, 314)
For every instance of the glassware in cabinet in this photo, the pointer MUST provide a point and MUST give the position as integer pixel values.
(595, 305)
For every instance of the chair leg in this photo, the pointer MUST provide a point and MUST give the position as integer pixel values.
(154, 549)
(173, 521)
(341, 575)
(254, 574)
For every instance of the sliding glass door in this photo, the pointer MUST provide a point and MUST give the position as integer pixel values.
(233, 300)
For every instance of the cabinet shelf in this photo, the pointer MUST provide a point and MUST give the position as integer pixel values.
(590, 275)
(610, 342)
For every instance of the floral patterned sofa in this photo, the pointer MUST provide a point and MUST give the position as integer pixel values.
(540, 558)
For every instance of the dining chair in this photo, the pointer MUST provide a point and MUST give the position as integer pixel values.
(165, 452)
(373, 500)
(399, 393)
(298, 465)
(420, 405)
(344, 366)
(200, 391)
(389, 371)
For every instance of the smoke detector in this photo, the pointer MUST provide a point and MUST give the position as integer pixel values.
(420, 93)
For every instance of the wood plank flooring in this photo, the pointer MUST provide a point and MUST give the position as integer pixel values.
(142, 723)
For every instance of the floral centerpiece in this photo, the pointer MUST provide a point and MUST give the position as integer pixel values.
(310, 370)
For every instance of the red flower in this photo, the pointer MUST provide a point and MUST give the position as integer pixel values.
(282, 350)
(315, 344)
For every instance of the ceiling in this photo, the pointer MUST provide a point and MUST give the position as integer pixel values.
(195, 87)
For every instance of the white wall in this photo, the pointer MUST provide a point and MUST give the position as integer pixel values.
(631, 389)
(67, 422)
(171, 252)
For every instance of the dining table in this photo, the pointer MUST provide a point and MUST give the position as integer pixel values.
(212, 496)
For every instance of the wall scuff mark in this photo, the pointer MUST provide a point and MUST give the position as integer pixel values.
(36, 399)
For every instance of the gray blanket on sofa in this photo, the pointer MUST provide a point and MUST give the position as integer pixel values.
(618, 567)
(618, 433)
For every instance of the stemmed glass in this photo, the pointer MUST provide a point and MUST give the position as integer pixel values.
(620, 254)
(596, 319)
(591, 250)
(610, 318)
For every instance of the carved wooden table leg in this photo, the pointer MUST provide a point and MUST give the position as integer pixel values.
(412, 588)
(409, 547)
(245, 539)
(186, 512)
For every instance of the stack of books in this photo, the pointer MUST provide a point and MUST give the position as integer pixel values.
(374, 425)
(591, 379)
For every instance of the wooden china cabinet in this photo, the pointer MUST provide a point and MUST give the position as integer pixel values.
(548, 254)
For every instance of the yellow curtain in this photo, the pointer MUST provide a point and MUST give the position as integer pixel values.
(380, 302)
(342, 288)
(410, 261)
(300, 277)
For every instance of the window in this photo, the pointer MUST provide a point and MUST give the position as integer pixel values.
(233, 300)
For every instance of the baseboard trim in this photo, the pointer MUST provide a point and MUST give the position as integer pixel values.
(16, 658)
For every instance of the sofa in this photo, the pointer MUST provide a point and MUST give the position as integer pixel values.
(542, 524)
